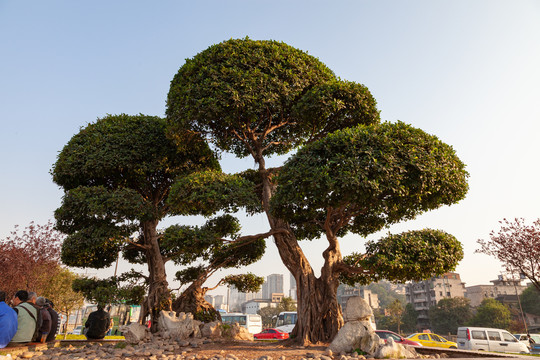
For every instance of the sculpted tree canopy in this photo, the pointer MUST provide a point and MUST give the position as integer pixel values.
(29, 258)
(114, 290)
(262, 98)
(117, 174)
(246, 95)
(203, 251)
(517, 246)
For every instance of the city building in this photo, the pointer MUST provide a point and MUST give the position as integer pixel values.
(425, 294)
(273, 284)
(344, 292)
(254, 305)
(292, 288)
(503, 289)
(237, 298)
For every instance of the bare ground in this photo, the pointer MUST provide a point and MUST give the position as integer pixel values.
(256, 349)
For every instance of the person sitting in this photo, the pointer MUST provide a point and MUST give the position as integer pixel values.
(97, 324)
(26, 319)
(32, 297)
(55, 323)
(45, 328)
(8, 321)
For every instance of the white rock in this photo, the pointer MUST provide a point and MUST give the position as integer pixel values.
(358, 332)
(135, 332)
(211, 329)
(357, 309)
(237, 332)
(181, 326)
(393, 350)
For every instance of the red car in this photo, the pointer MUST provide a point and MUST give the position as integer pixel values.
(271, 334)
(386, 334)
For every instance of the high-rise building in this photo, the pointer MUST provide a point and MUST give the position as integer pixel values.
(219, 301)
(424, 294)
(273, 284)
(237, 298)
(292, 288)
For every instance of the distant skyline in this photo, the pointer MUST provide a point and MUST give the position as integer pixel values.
(465, 71)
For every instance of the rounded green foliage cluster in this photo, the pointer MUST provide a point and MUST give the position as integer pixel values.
(110, 291)
(240, 84)
(117, 173)
(414, 255)
(208, 192)
(95, 247)
(364, 178)
(336, 105)
(123, 151)
(245, 282)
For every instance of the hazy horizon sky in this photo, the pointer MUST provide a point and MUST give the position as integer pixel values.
(465, 71)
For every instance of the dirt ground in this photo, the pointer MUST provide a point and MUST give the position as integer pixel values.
(256, 349)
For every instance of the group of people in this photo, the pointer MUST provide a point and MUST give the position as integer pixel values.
(29, 319)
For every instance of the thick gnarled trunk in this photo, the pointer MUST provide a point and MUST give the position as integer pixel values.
(192, 301)
(319, 313)
(159, 297)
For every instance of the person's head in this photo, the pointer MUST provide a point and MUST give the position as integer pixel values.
(40, 301)
(32, 297)
(2, 296)
(50, 303)
(19, 297)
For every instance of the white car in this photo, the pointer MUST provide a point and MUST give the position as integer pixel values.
(487, 339)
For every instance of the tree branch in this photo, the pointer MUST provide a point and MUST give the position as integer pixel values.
(350, 269)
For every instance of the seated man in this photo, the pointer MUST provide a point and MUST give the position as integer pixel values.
(46, 324)
(26, 318)
(55, 321)
(8, 321)
(97, 324)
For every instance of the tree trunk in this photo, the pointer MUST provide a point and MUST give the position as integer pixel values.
(192, 301)
(319, 313)
(159, 296)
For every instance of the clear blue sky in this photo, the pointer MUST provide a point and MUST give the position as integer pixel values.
(467, 71)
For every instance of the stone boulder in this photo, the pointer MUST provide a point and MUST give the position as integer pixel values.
(357, 309)
(135, 333)
(211, 329)
(355, 335)
(180, 327)
(393, 350)
(358, 332)
(236, 332)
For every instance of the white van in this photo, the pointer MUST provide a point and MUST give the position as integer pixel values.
(487, 339)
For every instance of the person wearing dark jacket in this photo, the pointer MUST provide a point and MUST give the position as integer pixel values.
(97, 324)
(55, 323)
(46, 325)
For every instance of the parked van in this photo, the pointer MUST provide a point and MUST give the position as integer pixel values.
(487, 339)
